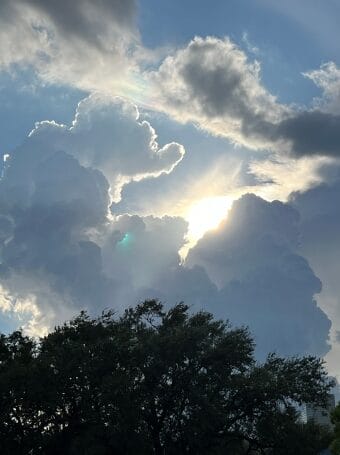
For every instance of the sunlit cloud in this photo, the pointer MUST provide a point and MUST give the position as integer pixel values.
(207, 214)
(204, 215)
(23, 312)
(283, 176)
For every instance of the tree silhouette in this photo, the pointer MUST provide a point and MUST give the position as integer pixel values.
(153, 382)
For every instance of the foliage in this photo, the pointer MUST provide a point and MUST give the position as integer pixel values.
(153, 381)
(335, 446)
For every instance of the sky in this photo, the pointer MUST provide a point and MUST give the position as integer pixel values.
(185, 151)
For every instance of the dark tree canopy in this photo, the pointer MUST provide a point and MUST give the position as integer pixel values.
(154, 382)
(335, 446)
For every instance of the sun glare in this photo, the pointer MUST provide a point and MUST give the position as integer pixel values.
(206, 214)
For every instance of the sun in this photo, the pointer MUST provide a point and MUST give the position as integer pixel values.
(206, 214)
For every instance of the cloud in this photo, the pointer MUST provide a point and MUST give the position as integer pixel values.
(60, 253)
(250, 270)
(213, 168)
(49, 248)
(22, 311)
(262, 278)
(210, 168)
(62, 250)
(271, 175)
(84, 19)
(327, 78)
(106, 135)
(146, 248)
(311, 133)
(212, 83)
(82, 43)
(320, 243)
(55, 221)
(221, 252)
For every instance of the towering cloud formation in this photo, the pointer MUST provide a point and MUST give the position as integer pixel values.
(62, 251)
(263, 280)
(106, 135)
(55, 199)
(320, 243)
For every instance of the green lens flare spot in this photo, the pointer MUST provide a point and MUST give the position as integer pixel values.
(126, 240)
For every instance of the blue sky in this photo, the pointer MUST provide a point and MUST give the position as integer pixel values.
(284, 48)
(207, 133)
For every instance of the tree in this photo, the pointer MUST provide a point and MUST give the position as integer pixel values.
(153, 381)
(335, 417)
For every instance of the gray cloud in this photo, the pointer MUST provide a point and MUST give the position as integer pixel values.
(49, 233)
(212, 83)
(311, 133)
(85, 19)
(250, 270)
(263, 280)
(148, 248)
(62, 251)
(81, 43)
(55, 230)
(320, 243)
(255, 233)
(106, 135)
